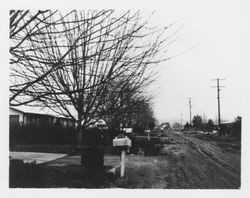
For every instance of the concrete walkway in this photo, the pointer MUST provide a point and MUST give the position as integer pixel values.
(39, 158)
(109, 160)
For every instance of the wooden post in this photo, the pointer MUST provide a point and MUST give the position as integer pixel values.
(123, 143)
(123, 158)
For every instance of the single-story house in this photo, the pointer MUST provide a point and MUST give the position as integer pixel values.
(23, 116)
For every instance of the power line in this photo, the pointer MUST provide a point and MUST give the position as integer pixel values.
(218, 98)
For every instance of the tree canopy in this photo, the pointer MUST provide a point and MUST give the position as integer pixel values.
(84, 65)
(197, 122)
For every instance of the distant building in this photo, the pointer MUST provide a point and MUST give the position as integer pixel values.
(101, 124)
(165, 125)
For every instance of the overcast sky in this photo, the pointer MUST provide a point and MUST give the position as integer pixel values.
(218, 35)
(216, 42)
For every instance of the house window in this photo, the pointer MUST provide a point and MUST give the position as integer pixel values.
(14, 120)
(28, 120)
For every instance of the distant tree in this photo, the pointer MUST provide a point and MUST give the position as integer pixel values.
(237, 127)
(197, 122)
(144, 117)
(187, 126)
(151, 124)
(177, 125)
(210, 125)
(122, 101)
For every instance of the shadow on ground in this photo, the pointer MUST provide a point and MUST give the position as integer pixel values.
(31, 175)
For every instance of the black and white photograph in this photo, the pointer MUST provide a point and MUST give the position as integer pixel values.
(127, 97)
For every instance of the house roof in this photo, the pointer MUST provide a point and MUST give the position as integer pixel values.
(16, 109)
(35, 110)
(46, 111)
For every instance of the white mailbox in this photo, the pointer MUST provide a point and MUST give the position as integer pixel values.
(117, 142)
(128, 130)
(147, 131)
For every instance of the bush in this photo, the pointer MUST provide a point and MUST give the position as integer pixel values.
(224, 129)
(24, 174)
(149, 147)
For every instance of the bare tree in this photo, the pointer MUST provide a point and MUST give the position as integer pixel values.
(34, 38)
(94, 49)
(144, 117)
(123, 100)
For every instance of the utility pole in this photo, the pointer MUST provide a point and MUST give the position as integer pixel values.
(218, 98)
(181, 121)
(204, 120)
(190, 109)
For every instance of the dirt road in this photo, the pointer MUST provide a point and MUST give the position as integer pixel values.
(185, 162)
(182, 161)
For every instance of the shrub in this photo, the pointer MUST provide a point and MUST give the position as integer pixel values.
(42, 135)
(24, 174)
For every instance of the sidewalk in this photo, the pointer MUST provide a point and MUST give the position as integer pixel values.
(109, 161)
(39, 158)
(55, 159)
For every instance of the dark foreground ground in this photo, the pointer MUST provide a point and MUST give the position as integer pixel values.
(185, 161)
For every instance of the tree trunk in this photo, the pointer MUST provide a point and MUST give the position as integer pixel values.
(79, 134)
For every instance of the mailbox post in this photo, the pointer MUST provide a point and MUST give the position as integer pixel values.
(123, 161)
(123, 143)
(148, 132)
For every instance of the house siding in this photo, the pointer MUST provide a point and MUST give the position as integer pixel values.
(33, 119)
(19, 113)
